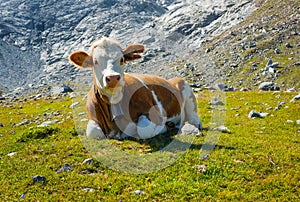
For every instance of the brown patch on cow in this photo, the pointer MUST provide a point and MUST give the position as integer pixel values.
(137, 100)
(81, 59)
(98, 109)
(166, 93)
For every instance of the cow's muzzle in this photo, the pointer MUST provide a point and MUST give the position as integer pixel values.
(112, 81)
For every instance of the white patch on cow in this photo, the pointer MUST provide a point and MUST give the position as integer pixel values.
(189, 107)
(159, 105)
(94, 131)
(116, 96)
(145, 127)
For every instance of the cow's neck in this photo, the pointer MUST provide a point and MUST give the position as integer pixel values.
(115, 112)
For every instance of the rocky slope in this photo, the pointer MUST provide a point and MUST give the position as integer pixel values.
(264, 48)
(37, 36)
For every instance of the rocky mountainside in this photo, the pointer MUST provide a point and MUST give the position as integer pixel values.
(263, 50)
(37, 36)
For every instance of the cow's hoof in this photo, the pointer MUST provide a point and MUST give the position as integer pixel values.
(94, 131)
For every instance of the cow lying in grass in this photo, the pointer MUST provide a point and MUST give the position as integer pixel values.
(136, 105)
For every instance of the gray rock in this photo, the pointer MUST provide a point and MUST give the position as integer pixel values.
(288, 45)
(216, 102)
(290, 90)
(61, 89)
(190, 129)
(270, 64)
(268, 86)
(64, 168)
(47, 123)
(138, 192)
(244, 89)
(222, 129)
(88, 189)
(201, 168)
(297, 97)
(38, 178)
(254, 114)
(88, 161)
(23, 122)
(72, 106)
(11, 153)
(277, 51)
(298, 122)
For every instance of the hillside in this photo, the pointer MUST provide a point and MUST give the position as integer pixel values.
(37, 36)
(265, 47)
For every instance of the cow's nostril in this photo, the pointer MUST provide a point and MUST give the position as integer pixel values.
(112, 80)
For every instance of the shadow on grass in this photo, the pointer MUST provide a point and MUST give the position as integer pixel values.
(163, 140)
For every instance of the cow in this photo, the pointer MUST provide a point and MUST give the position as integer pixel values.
(120, 104)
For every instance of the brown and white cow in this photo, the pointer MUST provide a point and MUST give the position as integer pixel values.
(136, 105)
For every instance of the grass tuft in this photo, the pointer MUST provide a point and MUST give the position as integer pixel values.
(37, 133)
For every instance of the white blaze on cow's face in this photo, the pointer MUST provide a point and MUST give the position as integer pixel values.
(109, 75)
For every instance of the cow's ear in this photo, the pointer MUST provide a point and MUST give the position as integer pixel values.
(81, 59)
(132, 52)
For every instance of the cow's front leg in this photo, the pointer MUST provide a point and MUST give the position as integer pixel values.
(94, 131)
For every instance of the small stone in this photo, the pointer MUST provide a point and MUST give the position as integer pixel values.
(221, 86)
(38, 178)
(201, 168)
(298, 122)
(297, 97)
(1, 124)
(72, 106)
(289, 121)
(277, 51)
(288, 45)
(138, 192)
(268, 86)
(22, 123)
(254, 114)
(216, 102)
(222, 129)
(88, 189)
(190, 129)
(291, 90)
(61, 89)
(243, 89)
(12, 154)
(72, 95)
(47, 123)
(88, 161)
(64, 168)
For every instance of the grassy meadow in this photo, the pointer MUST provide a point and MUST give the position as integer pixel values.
(258, 160)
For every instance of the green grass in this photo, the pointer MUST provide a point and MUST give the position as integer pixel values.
(259, 160)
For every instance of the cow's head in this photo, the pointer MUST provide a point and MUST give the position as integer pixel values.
(106, 59)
